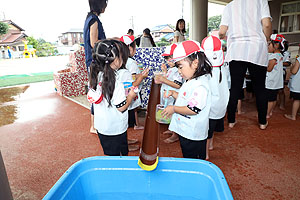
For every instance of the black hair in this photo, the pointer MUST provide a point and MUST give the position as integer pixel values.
(97, 5)
(125, 54)
(286, 45)
(130, 31)
(148, 34)
(167, 57)
(177, 25)
(104, 53)
(204, 66)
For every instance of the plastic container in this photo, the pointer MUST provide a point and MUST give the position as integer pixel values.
(112, 178)
(159, 118)
(158, 73)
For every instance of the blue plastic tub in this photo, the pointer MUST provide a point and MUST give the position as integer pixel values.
(112, 178)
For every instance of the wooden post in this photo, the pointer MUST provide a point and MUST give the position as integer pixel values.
(150, 146)
(5, 192)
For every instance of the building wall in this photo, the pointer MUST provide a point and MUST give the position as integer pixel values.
(275, 9)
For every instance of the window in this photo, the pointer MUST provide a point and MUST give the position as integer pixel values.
(290, 17)
(21, 48)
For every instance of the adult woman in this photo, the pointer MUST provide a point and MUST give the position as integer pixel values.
(146, 39)
(247, 49)
(92, 32)
(180, 31)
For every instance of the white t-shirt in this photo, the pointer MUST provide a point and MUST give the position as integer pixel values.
(294, 83)
(219, 93)
(174, 76)
(245, 38)
(180, 35)
(274, 78)
(132, 66)
(125, 77)
(109, 120)
(194, 93)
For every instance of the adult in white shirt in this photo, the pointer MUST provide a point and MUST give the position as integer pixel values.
(180, 31)
(247, 24)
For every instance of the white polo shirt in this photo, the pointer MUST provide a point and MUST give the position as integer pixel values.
(109, 120)
(219, 93)
(124, 76)
(196, 94)
(180, 35)
(174, 76)
(246, 40)
(294, 83)
(274, 78)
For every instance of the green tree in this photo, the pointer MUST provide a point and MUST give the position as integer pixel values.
(3, 28)
(214, 22)
(32, 41)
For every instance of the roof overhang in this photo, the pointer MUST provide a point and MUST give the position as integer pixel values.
(221, 2)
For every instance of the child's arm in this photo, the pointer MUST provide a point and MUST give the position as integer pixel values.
(164, 80)
(194, 107)
(295, 67)
(129, 99)
(140, 77)
(172, 93)
(271, 65)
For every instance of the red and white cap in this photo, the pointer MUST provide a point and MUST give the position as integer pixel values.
(184, 49)
(169, 50)
(127, 39)
(213, 50)
(278, 38)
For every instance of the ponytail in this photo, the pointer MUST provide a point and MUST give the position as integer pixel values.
(104, 53)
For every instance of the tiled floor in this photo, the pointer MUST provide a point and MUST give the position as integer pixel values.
(42, 134)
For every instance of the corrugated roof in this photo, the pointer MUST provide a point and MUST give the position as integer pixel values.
(12, 38)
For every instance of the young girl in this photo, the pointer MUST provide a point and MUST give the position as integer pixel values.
(219, 88)
(179, 32)
(193, 101)
(137, 77)
(274, 78)
(108, 96)
(171, 81)
(294, 85)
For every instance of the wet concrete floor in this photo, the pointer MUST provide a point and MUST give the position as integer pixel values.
(42, 134)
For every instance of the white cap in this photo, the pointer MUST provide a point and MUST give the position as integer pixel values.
(213, 50)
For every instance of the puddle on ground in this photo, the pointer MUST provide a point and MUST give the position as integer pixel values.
(8, 104)
(25, 103)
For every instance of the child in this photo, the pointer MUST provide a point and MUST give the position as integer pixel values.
(172, 81)
(138, 77)
(274, 78)
(294, 85)
(219, 88)
(108, 96)
(286, 62)
(193, 101)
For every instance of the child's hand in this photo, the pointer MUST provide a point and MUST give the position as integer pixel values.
(132, 92)
(168, 111)
(164, 68)
(145, 73)
(169, 94)
(159, 79)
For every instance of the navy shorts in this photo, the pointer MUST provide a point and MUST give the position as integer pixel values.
(215, 125)
(114, 145)
(272, 94)
(295, 95)
(193, 148)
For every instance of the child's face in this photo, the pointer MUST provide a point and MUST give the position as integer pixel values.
(187, 69)
(132, 51)
(272, 47)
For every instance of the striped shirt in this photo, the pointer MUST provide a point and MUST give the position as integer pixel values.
(246, 40)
